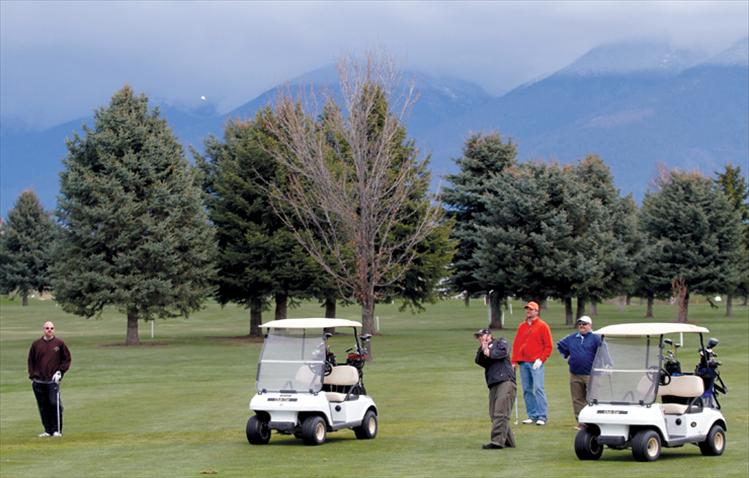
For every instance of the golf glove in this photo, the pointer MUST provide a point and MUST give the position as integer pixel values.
(537, 364)
(57, 377)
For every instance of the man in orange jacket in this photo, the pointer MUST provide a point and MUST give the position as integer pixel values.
(531, 348)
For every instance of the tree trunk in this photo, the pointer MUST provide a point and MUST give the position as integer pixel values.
(367, 320)
(256, 318)
(24, 298)
(132, 337)
(568, 311)
(467, 299)
(330, 307)
(495, 310)
(628, 299)
(684, 307)
(745, 300)
(680, 293)
(580, 307)
(367, 315)
(729, 305)
(649, 308)
(282, 302)
(594, 308)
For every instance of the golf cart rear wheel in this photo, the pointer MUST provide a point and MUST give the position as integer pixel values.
(313, 430)
(715, 442)
(258, 431)
(586, 446)
(646, 445)
(368, 428)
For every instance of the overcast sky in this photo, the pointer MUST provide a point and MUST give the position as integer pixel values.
(60, 60)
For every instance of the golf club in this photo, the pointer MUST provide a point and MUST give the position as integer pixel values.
(59, 430)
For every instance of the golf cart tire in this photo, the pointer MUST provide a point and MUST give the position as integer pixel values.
(314, 430)
(586, 446)
(368, 428)
(646, 445)
(258, 431)
(715, 442)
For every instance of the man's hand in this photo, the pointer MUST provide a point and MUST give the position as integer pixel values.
(537, 364)
(57, 377)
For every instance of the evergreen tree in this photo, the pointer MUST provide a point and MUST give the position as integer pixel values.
(258, 255)
(529, 243)
(484, 156)
(135, 235)
(734, 186)
(697, 232)
(553, 231)
(25, 247)
(607, 232)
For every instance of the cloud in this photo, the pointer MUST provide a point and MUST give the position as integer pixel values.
(59, 60)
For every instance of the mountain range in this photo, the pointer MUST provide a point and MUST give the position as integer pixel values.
(635, 105)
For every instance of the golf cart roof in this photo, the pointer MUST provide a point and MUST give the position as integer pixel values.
(309, 323)
(649, 328)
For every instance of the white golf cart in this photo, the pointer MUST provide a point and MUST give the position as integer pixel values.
(301, 390)
(628, 379)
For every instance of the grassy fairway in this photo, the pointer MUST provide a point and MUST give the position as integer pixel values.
(177, 405)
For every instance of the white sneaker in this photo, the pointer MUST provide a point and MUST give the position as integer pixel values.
(44, 435)
(56, 434)
(528, 421)
(540, 423)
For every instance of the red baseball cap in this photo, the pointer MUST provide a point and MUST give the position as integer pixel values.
(531, 305)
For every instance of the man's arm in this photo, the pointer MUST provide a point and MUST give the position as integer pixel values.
(563, 347)
(31, 361)
(65, 358)
(547, 342)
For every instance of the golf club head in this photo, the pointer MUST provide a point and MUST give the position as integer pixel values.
(712, 342)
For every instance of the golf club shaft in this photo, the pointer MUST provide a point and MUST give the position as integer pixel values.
(58, 408)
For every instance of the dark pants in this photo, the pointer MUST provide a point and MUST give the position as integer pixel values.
(579, 392)
(47, 396)
(501, 398)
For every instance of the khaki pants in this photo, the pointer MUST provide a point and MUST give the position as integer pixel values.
(579, 392)
(501, 399)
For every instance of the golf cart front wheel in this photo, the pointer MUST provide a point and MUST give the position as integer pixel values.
(715, 442)
(646, 445)
(313, 430)
(368, 428)
(586, 446)
(258, 431)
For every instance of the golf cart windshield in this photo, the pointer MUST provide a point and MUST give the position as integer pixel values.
(292, 361)
(625, 371)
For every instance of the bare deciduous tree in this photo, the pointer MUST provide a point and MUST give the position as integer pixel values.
(347, 191)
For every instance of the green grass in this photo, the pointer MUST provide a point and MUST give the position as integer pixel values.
(177, 405)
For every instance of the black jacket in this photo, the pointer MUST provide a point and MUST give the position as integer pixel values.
(497, 367)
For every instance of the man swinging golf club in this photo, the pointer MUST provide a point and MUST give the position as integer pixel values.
(49, 359)
(494, 356)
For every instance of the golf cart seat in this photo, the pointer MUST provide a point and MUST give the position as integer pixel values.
(684, 386)
(344, 376)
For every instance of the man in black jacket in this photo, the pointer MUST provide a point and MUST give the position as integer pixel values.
(494, 356)
(49, 359)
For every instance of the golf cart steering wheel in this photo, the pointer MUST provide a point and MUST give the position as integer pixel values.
(327, 368)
